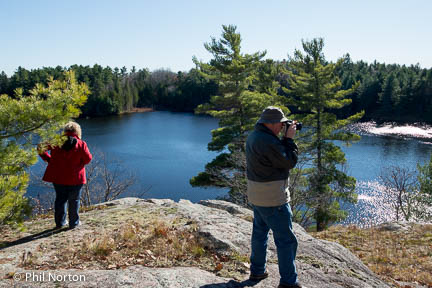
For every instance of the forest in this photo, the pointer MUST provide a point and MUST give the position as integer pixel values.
(386, 92)
(113, 91)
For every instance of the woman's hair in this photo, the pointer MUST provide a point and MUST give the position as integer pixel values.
(73, 127)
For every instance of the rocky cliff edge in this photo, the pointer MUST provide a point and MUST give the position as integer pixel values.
(35, 258)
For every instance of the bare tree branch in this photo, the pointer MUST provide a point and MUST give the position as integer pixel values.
(399, 185)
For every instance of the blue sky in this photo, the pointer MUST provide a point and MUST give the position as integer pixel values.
(167, 33)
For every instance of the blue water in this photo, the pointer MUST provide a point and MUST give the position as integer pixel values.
(367, 160)
(164, 150)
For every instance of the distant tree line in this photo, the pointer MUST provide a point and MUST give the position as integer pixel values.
(387, 92)
(115, 90)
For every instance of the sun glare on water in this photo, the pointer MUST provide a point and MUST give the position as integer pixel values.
(374, 205)
(414, 131)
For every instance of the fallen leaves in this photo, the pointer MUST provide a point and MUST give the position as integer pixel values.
(6, 260)
(169, 243)
(218, 267)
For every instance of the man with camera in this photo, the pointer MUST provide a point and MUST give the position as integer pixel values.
(269, 159)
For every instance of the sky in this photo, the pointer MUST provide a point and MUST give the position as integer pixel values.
(166, 34)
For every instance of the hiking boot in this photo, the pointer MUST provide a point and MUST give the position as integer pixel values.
(258, 277)
(295, 285)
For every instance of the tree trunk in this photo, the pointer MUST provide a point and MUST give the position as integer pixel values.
(320, 210)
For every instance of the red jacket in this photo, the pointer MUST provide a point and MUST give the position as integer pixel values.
(66, 167)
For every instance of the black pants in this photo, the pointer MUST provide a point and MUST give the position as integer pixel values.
(71, 195)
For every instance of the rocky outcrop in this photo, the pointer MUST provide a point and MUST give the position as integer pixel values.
(225, 227)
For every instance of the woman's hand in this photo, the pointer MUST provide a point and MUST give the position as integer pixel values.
(42, 148)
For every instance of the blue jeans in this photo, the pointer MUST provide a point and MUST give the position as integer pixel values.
(71, 195)
(278, 219)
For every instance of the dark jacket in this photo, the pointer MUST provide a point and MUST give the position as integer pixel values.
(269, 158)
(66, 163)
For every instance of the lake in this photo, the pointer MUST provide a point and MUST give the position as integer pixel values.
(162, 149)
(379, 149)
(165, 149)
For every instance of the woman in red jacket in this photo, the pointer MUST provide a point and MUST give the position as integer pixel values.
(67, 173)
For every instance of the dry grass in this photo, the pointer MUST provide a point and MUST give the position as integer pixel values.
(156, 243)
(404, 256)
(36, 224)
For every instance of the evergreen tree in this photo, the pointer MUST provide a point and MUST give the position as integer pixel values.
(241, 97)
(4, 83)
(24, 119)
(424, 96)
(409, 90)
(315, 89)
(390, 96)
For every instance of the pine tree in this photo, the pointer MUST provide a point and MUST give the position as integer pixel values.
(244, 91)
(314, 89)
(4, 83)
(390, 96)
(23, 120)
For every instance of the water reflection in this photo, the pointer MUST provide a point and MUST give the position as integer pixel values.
(419, 131)
(374, 205)
(379, 148)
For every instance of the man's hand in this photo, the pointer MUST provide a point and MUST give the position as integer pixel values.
(291, 131)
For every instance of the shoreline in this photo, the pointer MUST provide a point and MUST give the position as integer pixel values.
(133, 110)
(137, 110)
(413, 130)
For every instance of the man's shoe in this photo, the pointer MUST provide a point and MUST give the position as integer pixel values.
(74, 226)
(258, 277)
(295, 285)
(62, 226)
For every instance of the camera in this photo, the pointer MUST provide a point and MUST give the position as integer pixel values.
(299, 125)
